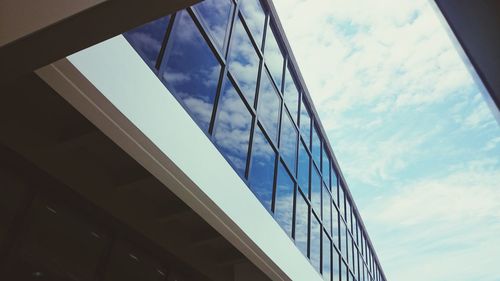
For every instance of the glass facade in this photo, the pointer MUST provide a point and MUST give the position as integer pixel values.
(227, 64)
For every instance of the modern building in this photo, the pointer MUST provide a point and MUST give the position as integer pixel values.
(166, 140)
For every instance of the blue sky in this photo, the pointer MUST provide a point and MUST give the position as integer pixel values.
(416, 142)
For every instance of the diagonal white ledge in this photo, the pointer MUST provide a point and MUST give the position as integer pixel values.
(112, 87)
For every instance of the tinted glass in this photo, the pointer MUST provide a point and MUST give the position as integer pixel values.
(354, 260)
(305, 123)
(283, 206)
(316, 147)
(325, 166)
(348, 214)
(341, 201)
(291, 95)
(316, 191)
(216, 15)
(147, 39)
(315, 243)
(254, 18)
(334, 184)
(273, 57)
(327, 247)
(343, 240)
(243, 61)
(335, 265)
(303, 169)
(190, 70)
(301, 224)
(327, 214)
(344, 272)
(335, 226)
(269, 106)
(288, 141)
(261, 175)
(232, 127)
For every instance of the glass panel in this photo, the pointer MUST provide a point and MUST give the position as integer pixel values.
(254, 18)
(343, 239)
(283, 206)
(301, 224)
(303, 172)
(190, 70)
(315, 243)
(344, 271)
(261, 175)
(232, 127)
(148, 38)
(288, 141)
(269, 106)
(327, 259)
(316, 147)
(354, 260)
(341, 201)
(243, 61)
(335, 265)
(349, 249)
(334, 184)
(273, 57)
(305, 123)
(327, 214)
(335, 226)
(325, 166)
(315, 191)
(348, 214)
(291, 94)
(216, 15)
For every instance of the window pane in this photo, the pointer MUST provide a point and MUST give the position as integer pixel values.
(303, 172)
(191, 71)
(273, 57)
(301, 224)
(334, 184)
(288, 141)
(348, 214)
(335, 226)
(327, 248)
(341, 201)
(254, 18)
(269, 106)
(305, 123)
(335, 265)
(215, 14)
(316, 147)
(243, 61)
(344, 271)
(325, 166)
(316, 191)
(343, 240)
(232, 127)
(148, 38)
(261, 176)
(283, 206)
(315, 243)
(327, 214)
(291, 94)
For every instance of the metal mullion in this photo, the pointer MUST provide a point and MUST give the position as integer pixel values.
(164, 44)
(250, 35)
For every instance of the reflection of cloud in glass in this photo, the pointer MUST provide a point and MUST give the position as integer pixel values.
(334, 184)
(315, 190)
(232, 127)
(261, 175)
(341, 201)
(283, 206)
(316, 147)
(243, 61)
(273, 57)
(343, 239)
(335, 265)
(303, 169)
(254, 18)
(301, 224)
(215, 14)
(327, 247)
(305, 123)
(327, 219)
(291, 94)
(147, 39)
(288, 141)
(190, 70)
(335, 226)
(315, 243)
(325, 166)
(269, 106)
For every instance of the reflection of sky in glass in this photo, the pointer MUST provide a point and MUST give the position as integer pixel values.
(305, 123)
(288, 141)
(232, 127)
(327, 247)
(315, 243)
(147, 39)
(315, 190)
(325, 167)
(354, 259)
(348, 214)
(327, 218)
(335, 265)
(215, 14)
(254, 18)
(291, 94)
(303, 169)
(343, 245)
(269, 106)
(341, 201)
(301, 224)
(335, 226)
(333, 181)
(243, 61)
(273, 57)
(283, 208)
(349, 249)
(344, 271)
(316, 147)
(261, 175)
(190, 70)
